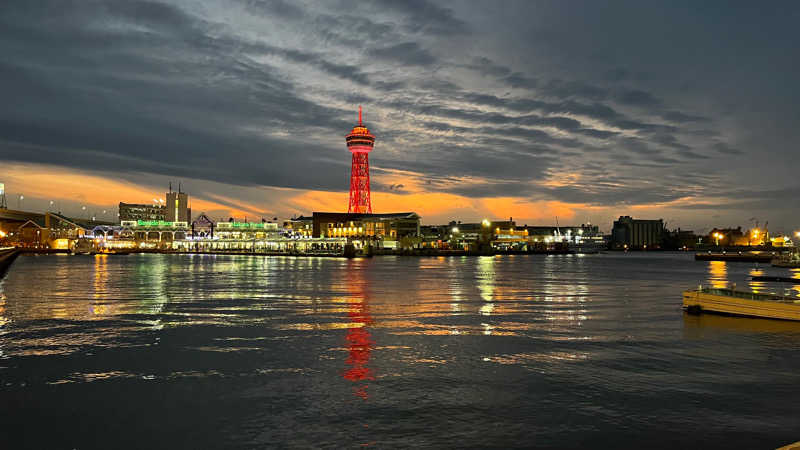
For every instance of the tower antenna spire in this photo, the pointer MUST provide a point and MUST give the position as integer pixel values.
(359, 115)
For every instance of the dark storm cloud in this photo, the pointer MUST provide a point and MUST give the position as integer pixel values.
(408, 53)
(789, 194)
(596, 111)
(636, 97)
(465, 161)
(682, 118)
(597, 134)
(569, 89)
(352, 73)
(613, 194)
(726, 149)
(486, 66)
(518, 80)
(620, 74)
(423, 16)
(93, 125)
(271, 8)
(260, 93)
(602, 192)
(754, 200)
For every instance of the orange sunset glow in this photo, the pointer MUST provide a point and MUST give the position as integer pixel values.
(43, 183)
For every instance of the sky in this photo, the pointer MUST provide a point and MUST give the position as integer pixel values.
(541, 111)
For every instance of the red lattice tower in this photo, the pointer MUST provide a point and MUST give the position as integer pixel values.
(360, 143)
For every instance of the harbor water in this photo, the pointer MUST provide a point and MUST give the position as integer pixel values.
(223, 351)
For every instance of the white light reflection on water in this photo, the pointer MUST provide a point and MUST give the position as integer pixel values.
(455, 289)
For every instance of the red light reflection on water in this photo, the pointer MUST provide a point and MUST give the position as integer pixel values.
(359, 345)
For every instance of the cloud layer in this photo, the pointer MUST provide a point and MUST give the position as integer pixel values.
(583, 109)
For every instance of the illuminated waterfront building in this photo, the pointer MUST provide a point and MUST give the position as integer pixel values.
(387, 227)
(54, 231)
(177, 207)
(360, 142)
(203, 227)
(155, 233)
(174, 209)
(246, 230)
(11, 219)
(585, 233)
(231, 236)
(303, 225)
(141, 211)
(507, 235)
(32, 233)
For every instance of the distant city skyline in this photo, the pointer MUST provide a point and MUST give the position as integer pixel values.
(532, 110)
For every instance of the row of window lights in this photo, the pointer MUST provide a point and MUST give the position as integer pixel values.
(347, 230)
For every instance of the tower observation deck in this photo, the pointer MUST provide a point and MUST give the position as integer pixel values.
(360, 142)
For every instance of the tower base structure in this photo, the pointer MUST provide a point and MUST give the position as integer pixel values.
(359, 185)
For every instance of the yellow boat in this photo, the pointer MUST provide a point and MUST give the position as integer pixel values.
(739, 303)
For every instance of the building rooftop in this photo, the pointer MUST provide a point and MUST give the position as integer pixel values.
(83, 223)
(356, 216)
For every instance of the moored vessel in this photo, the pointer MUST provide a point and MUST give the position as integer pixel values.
(788, 260)
(741, 303)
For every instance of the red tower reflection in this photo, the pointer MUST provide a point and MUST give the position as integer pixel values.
(359, 341)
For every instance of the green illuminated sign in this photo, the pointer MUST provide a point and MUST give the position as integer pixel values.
(154, 223)
(247, 225)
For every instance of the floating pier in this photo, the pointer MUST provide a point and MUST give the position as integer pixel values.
(735, 257)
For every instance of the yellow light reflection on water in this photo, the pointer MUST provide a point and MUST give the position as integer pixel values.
(718, 274)
(98, 306)
(757, 286)
(795, 273)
